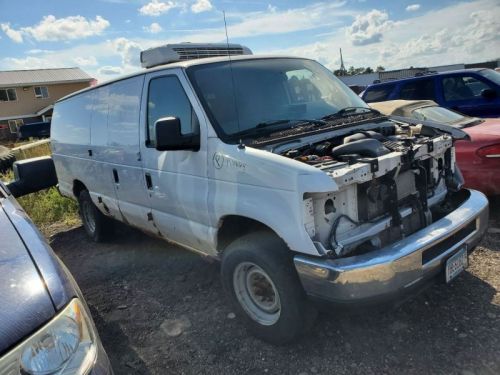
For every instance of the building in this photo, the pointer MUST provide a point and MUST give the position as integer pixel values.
(28, 96)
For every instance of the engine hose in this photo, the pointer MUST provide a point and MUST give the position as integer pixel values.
(332, 238)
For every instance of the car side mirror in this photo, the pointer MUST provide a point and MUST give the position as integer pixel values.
(489, 94)
(169, 136)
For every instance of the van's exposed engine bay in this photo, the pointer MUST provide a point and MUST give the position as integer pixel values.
(393, 181)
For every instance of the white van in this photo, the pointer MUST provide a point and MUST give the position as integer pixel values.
(275, 167)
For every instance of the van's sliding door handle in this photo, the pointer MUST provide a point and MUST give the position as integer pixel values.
(149, 183)
(115, 176)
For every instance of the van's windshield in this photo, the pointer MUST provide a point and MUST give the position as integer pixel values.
(261, 93)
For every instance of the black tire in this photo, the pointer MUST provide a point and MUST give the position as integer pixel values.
(270, 254)
(98, 226)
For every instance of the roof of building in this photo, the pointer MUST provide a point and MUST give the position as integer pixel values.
(13, 78)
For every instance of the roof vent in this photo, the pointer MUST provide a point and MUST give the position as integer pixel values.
(170, 53)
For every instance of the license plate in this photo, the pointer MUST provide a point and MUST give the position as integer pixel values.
(456, 264)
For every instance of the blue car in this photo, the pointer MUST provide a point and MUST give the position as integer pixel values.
(473, 92)
(45, 324)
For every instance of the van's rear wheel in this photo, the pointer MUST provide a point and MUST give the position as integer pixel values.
(96, 224)
(259, 276)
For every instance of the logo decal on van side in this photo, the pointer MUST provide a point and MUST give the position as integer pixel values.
(220, 160)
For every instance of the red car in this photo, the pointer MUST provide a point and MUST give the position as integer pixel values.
(479, 158)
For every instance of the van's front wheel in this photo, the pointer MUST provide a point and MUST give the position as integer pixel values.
(97, 225)
(261, 281)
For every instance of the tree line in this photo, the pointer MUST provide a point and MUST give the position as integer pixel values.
(354, 71)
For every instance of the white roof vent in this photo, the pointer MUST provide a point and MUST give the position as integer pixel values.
(170, 53)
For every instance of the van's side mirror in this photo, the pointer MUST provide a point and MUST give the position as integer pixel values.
(489, 94)
(169, 136)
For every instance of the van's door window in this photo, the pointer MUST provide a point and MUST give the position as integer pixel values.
(417, 90)
(167, 98)
(463, 88)
(99, 121)
(124, 103)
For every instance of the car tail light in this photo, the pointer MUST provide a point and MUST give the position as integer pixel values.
(492, 151)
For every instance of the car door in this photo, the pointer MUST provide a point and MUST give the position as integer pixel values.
(463, 93)
(122, 158)
(176, 180)
(99, 178)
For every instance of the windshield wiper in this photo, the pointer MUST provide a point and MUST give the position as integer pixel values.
(266, 126)
(349, 111)
(297, 122)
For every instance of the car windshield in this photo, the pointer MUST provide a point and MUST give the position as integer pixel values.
(491, 75)
(249, 95)
(443, 115)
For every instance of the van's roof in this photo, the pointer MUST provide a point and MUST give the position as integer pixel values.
(184, 65)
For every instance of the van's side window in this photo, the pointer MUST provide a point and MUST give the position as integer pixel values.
(166, 98)
(124, 102)
(75, 114)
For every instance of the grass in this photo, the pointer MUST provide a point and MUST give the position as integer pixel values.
(48, 209)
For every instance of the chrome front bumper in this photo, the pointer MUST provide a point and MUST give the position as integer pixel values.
(399, 267)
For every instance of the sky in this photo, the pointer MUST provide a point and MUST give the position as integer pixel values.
(105, 37)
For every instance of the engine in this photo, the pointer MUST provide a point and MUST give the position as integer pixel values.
(389, 182)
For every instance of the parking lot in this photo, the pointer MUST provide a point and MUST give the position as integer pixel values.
(161, 310)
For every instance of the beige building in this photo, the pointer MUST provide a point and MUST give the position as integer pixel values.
(28, 96)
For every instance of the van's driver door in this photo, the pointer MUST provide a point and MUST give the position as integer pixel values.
(176, 180)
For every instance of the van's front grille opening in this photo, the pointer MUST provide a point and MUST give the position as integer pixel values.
(438, 249)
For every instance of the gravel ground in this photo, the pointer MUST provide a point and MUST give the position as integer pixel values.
(161, 310)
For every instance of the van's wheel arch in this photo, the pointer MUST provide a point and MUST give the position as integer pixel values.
(260, 279)
(98, 226)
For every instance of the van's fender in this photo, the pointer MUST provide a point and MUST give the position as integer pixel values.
(264, 187)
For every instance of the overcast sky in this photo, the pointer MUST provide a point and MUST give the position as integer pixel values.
(104, 37)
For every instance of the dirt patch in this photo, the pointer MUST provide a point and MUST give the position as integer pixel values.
(161, 310)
